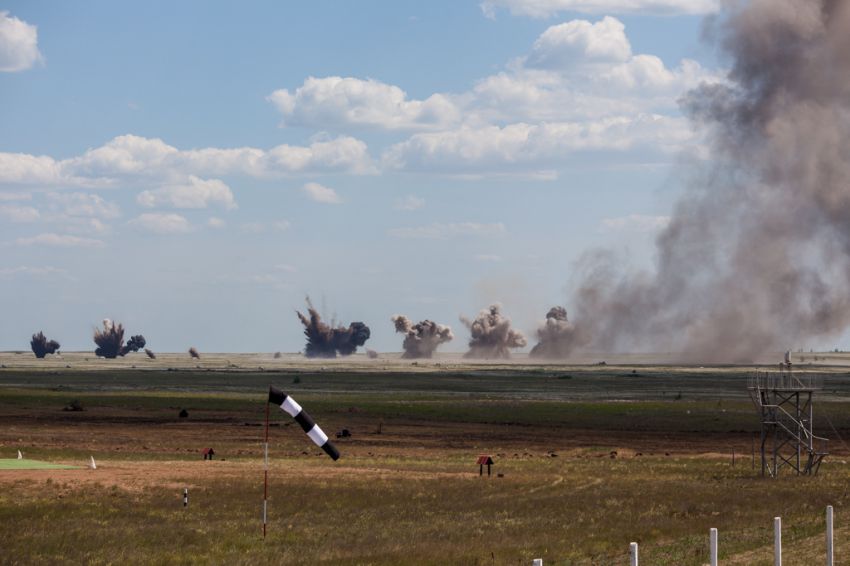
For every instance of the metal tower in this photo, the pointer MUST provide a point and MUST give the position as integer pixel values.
(784, 402)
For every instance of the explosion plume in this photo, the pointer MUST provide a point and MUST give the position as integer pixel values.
(421, 339)
(492, 335)
(324, 341)
(755, 256)
(193, 352)
(110, 341)
(556, 337)
(150, 354)
(41, 346)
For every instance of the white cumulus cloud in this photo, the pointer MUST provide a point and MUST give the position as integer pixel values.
(410, 202)
(349, 101)
(18, 44)
(194, 193)
(580, 87)
(163, 224)
(321, 193)
(496, 148)
(580, 41)
(548, 8)
(140, 160)
(84, 205)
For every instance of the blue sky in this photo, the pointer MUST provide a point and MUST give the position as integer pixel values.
(194, 169)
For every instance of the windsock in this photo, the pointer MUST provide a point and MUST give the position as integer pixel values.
(307, 423)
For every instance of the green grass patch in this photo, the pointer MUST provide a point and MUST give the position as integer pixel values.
(26, 464)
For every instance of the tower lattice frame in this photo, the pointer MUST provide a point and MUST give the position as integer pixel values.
(784, 401)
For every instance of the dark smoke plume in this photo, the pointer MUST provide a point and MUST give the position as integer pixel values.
(324, 341)
(193, 352)
(556, 337)
(492, 335)
(110, 341)
(41, 346)
(756, 256)
(421, 339)
(150, 354)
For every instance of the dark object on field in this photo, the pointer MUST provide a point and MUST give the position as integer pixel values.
(380, 428)
(74, 406)
(613, 454)
(556, 336)
(183, 414)
(208, 453)
(421, 339)
(492, 335)
(325, 341)
(296, 379)
(41, 346)
(344, 433)
(110, 341)
(372, 354)
(194, 353)
(277, 355)
(602, 363)
(483, 460)
(150, 354)
(500, 475)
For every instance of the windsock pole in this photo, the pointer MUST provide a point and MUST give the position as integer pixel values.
(266, 471)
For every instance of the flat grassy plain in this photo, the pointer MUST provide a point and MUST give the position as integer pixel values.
(591, 457)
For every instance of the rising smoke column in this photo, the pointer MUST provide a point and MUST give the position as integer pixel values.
(492, 335)
(421, 339)
(41, 346)
(556, 337)
(110, 341)
(325, 341)
(756, 256)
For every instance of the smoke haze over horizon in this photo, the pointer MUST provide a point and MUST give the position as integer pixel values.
(756, 256)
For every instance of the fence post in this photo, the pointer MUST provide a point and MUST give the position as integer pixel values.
(777, 541)
(830, 558)
(185, 497)
(712, 536)
(633, 551)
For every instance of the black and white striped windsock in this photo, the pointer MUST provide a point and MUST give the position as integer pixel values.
(288, 404)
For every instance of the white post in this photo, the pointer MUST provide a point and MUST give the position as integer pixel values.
(777, 541)
(185, 497)
(537, 562)
(633, 550)
(713, 546)
(830, 558)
